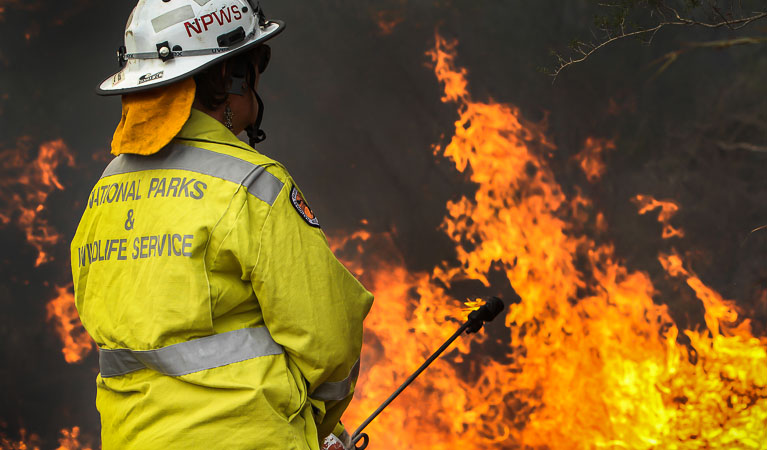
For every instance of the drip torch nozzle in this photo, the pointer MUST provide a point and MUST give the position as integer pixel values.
(486, 313)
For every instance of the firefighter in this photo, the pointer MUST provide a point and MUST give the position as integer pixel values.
(222, 317)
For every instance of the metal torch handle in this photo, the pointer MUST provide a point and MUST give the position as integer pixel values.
(358, 435)
(477, 318)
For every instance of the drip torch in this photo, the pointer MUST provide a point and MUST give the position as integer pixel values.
(477, 318)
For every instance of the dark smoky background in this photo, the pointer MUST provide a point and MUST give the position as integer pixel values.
(353, 109)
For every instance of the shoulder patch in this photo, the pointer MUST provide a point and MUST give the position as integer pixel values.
(303, 208)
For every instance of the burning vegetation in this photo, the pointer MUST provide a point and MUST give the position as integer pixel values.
(591, 158)
(69, 440)
(667, 210)
(25, 187)
(588, 359)
(387, 21)
(63, 315)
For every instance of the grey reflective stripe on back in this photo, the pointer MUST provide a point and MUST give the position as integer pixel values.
(337, 390)
(171, 18)
(192, 356)
(259, 182)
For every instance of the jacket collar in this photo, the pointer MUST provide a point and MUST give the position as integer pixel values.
(202, 127)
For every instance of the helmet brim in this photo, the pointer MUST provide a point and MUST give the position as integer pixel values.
(178, 68)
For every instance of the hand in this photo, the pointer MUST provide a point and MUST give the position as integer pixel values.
(332, 442)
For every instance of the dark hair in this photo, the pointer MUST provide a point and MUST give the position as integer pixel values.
(213, 82)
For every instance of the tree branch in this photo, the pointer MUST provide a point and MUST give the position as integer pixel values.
(670, 57)
(731, 146)
(593, 48)
(585, 50)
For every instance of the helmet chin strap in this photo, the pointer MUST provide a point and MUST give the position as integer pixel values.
(239, 71)
(255, 133)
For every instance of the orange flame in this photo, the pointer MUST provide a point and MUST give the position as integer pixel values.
(591, 158)
(593, 361)
(70, 440)
(720, 314)
(25, 188)
(22, 5)
(667, 210)
(63, 314)
(31, 442)
(387, 21)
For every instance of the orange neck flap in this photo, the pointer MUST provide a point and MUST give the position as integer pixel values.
(151, 119)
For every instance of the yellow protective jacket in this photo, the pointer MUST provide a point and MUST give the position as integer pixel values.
(222, 317)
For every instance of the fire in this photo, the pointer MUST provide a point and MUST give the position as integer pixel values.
(387, 21)
(591, 158)
(667, 211)
(587, 360)
(62, 312)
(720, 314)
(472, 305)
(26, 442)
(5, 5)
(70, 440)
(25, 188)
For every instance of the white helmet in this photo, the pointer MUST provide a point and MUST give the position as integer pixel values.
(168, 40)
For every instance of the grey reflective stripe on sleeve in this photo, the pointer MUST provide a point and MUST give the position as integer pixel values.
(192, 356)
(260, 183)
(171, 18)
(337, 390)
